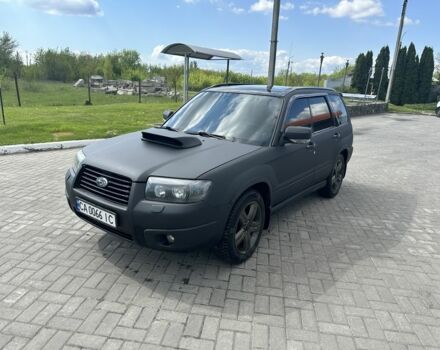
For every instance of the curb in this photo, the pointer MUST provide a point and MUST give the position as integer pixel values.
(47, 146)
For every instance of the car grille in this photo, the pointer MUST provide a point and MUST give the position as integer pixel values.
(117, 190)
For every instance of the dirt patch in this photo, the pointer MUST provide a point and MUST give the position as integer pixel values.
(58, 135)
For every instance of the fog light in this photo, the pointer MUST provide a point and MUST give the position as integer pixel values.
(170, 239)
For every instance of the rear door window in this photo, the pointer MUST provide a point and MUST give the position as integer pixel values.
(338, 108)
(321, 116)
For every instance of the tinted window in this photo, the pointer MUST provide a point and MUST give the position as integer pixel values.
(338, 108)
(321, 116)
(299, 114)
(238, 117)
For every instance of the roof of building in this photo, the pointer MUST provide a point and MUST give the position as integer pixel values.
(193, 51)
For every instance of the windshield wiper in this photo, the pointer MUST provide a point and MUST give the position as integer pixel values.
(206, 134)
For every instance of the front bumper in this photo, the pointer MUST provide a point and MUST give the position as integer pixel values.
(147, 223)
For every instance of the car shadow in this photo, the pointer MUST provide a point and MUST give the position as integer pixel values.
(313, 247)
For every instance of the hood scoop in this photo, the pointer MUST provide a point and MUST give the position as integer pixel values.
(170, 138)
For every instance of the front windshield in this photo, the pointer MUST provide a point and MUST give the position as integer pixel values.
(237, 117)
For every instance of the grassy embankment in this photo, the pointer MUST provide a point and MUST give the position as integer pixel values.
(56, 111)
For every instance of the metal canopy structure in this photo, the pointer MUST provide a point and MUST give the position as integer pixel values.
(197, 52)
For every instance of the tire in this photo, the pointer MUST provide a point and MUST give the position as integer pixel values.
(243, 229)
(438, 113)
(334, 180)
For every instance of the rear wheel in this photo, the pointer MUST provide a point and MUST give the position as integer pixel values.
(438, 113)
(243, 229)
(334, 181)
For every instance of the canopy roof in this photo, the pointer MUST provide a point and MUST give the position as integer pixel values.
(203, 53)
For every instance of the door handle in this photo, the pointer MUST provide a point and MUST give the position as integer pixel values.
(310, 145)
(336, 135)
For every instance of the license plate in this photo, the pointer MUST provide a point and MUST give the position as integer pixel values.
(96, 213)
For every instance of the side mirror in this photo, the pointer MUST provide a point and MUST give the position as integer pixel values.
(297, 134)
(167, 114)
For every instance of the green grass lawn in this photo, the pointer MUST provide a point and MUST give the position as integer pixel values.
(413, 108)
(36, 93)
(45, 124)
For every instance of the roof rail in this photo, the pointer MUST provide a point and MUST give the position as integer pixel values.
(225, 84)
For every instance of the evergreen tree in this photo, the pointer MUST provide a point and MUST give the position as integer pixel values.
(409, 94)
(362, 67)
(426, 70)
(356, 81)
(382, 61)
(399, 78)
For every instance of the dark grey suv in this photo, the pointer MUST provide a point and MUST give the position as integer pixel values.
(214, 172)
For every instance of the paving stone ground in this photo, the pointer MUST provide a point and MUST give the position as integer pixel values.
(361, 271)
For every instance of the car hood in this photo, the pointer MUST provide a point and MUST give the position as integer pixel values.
(137, 159)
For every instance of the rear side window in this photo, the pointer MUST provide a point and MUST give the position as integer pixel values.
(299, 114)
(338, 108)
(321, 116)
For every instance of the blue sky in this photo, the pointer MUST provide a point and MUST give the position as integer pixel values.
(339, 28)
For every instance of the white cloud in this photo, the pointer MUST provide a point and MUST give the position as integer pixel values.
(220, 5)
(356, 10)
(267, 6)
(257, 61)
(408, 22)
(66, 7)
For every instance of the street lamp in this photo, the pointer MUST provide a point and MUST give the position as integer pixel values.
(320, 67)
(345, 74)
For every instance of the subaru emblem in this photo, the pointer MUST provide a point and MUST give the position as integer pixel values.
(101, 182)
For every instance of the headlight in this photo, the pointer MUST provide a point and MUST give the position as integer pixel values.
(176, 190)
(79, 159)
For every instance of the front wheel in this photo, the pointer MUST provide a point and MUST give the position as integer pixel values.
(334, 180)
(243, 229)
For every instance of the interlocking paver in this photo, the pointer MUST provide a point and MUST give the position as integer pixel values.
(361, 271)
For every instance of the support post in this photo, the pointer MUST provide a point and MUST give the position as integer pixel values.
(227, 72)
(16, 89)
(380, 84)
(396, 51)
(320, 67)
(273, 44)
(140, 91)
(368, 82)
(1, 105)
(185, 79)
(89, 91)
(345, 75)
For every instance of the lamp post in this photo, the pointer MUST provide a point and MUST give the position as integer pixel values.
(273, 44)
(320, 67)
(345, 74)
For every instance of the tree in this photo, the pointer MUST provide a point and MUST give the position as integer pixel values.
(7, 47)
(399, 78)
(173, 73)
(426, 70)
(362, 68)
(108, 68)
(358, 72)
(409, 94)
(382, 62)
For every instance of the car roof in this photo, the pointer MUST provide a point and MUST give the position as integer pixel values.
(277, 90)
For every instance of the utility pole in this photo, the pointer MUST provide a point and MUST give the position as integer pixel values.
(380, 83)
(368, 82)
(345, 75)
(273, 44)
(396, 51)
(287, 72)
(320, 67)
